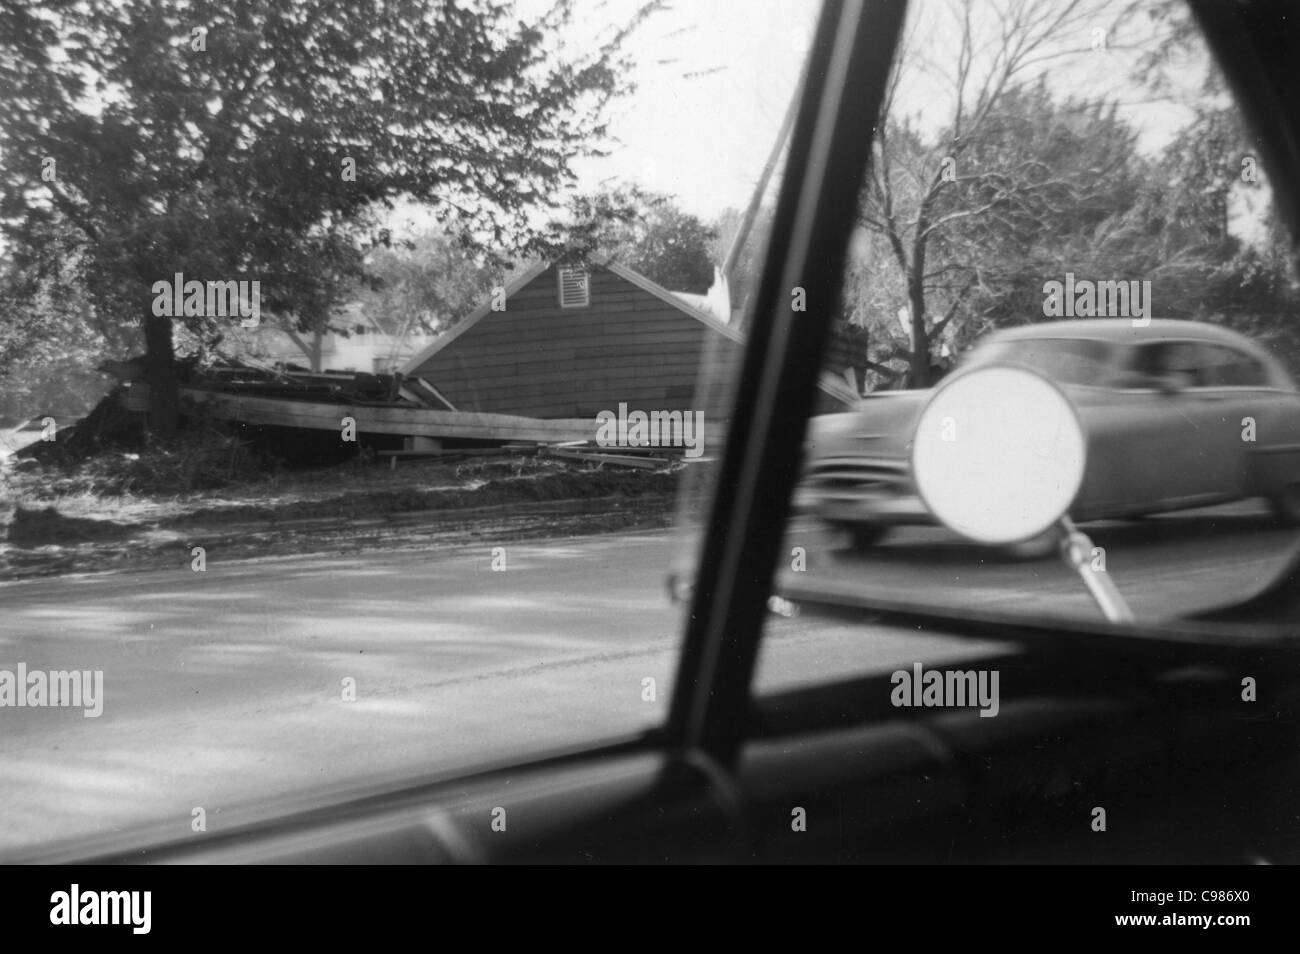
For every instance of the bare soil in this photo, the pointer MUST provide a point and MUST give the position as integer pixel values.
(57, 520)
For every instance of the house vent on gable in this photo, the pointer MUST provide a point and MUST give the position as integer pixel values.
(575, 289)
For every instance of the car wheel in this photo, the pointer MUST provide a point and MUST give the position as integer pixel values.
(1286, 505)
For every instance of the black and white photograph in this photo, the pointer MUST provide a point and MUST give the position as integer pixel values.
(651, 432)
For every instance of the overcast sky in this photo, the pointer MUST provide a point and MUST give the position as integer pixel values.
(714, 78)
(705, 137)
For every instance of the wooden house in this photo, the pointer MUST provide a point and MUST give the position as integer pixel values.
(573, 341)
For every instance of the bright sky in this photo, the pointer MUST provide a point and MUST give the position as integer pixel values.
(705, 138)
(714, 79)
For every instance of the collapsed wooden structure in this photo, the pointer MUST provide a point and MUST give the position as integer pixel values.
(538, 362)
(399, 419)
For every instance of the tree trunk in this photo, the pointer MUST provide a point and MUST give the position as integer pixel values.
(919, 373)
(160, 374)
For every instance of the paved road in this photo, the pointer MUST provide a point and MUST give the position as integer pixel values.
(1166, 566)
(227, 686)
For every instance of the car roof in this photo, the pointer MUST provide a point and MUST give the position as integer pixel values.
(1123, 330)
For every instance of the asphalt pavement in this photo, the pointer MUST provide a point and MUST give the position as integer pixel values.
(254, 679)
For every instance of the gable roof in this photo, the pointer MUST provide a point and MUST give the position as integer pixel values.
(686, 308)
(827, 382)
(539, 269)
(470, 320)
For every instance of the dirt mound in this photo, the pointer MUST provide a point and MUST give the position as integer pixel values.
(565, 484)
(108, 427)
(34, 528)
(205, 457)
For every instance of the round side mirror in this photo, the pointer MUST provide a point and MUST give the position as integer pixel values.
(998, 454)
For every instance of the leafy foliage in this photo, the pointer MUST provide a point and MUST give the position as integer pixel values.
(50, 336)
(965, 220)
(647, 232)
(254, 139)
(424, 284)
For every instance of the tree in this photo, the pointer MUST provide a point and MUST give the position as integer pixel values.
(50, 337)
(253, 140)
(649, 233)
(424, 284)
(926, 189)
(1182, 235)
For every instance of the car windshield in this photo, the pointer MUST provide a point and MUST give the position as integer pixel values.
(367, 396)
(348, 385)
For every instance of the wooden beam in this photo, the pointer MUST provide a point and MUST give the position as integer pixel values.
(405, 421)
(619, 460)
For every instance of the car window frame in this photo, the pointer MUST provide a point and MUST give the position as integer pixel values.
(845, 78)
(1273, 379)
(1265, 373)
(1135, 350)
(778, 355)
(736, 565)
(1110, 348)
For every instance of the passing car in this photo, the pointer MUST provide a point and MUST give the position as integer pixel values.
(1177, 414)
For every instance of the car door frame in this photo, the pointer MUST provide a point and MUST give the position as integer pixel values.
(844, 88)
(1265, 416)
(1156, 427)
(856, 41)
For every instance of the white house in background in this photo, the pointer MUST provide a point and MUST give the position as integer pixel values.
(367, 347)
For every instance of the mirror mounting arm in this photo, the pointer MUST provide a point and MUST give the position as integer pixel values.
(1076, 551)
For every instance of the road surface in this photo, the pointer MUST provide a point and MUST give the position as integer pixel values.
(226, 687)
(1164, 566)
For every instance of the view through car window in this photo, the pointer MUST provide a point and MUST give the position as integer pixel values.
(1068, 188)
(367, 369)
(350, 359)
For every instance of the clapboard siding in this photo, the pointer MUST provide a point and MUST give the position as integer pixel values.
(564, 335)
(610, 354)
(537, 359)
(621, 368)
